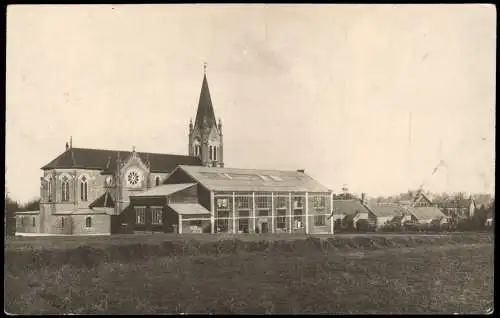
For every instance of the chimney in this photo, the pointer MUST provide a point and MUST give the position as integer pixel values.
(301, 170)
(67, 146)
(363, 197)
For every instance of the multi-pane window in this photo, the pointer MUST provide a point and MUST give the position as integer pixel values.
(263, 202)
(222, 203)
(319, 201)
(281, 202)
(263, 212)
(157, 215)
(297, 218)
(243, 202)
(215, 153)
(33, 221)
(243, 223)
(140, 215)
(84, 189)
(222, 221)
(88, 221)
(62, 222)
(157, 181)
(65, 189)
(319, 220)
(281, 219)
(298, 202)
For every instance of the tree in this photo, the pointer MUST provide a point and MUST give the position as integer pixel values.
(33, 205)
(10, 209)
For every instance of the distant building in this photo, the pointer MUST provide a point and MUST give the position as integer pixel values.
(350, 212)
(426, 215)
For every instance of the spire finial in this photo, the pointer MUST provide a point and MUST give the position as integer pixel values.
(205, 68)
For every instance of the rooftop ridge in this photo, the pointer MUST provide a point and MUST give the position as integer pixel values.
(129, 151)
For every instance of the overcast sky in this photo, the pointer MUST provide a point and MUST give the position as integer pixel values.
(326, 88)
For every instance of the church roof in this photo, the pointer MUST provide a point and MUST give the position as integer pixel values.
(104, 201)
(205, 108)
(100, 159)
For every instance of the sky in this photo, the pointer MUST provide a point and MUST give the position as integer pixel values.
(368, 96)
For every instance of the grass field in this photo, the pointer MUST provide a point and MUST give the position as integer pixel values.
(454, 275)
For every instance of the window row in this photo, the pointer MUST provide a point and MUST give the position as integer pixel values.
(265, 202)
(65, 189)
(88, 222)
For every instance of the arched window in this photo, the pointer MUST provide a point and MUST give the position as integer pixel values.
(84, 189)
(49, 190)
(210, 152)
(88, 221)
(215, 153)
(65, 189)
(157, 181)
(197, 148)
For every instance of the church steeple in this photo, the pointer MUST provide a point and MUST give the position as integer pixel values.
(205, 114)
(205, 136)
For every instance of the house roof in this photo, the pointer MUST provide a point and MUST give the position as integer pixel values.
(100, 159)
(232, 179)
(385, 210)
(188, 208)
(164, 190)
(106, 200)
(349, 207)
(426, 213)
(205, 112)
(450, 203)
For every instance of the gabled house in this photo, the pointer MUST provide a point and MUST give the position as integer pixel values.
(385, 213)
(457, 208)
(425, 215)
(350, 212)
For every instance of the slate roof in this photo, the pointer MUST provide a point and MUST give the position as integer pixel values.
(385, 210)
(231, 179)
(106, 200)
(205, 108)
(349, 207)
(100, 159)
(188, 208)
(164, 190)
(426, 213)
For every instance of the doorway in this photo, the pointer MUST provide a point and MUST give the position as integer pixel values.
(264, 227)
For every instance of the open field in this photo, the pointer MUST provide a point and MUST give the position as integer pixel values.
(72, 241)
(359, 274)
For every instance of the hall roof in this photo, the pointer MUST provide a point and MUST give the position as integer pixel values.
(233, 179)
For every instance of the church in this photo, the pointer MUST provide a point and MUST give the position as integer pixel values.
(100, 192)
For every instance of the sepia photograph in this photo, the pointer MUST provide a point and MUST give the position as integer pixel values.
(250, 159)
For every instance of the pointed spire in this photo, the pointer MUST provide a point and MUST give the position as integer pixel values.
(205, 113)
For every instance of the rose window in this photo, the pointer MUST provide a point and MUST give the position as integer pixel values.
(133, 178)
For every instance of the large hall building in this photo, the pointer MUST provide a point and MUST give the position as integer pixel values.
(94, 191)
